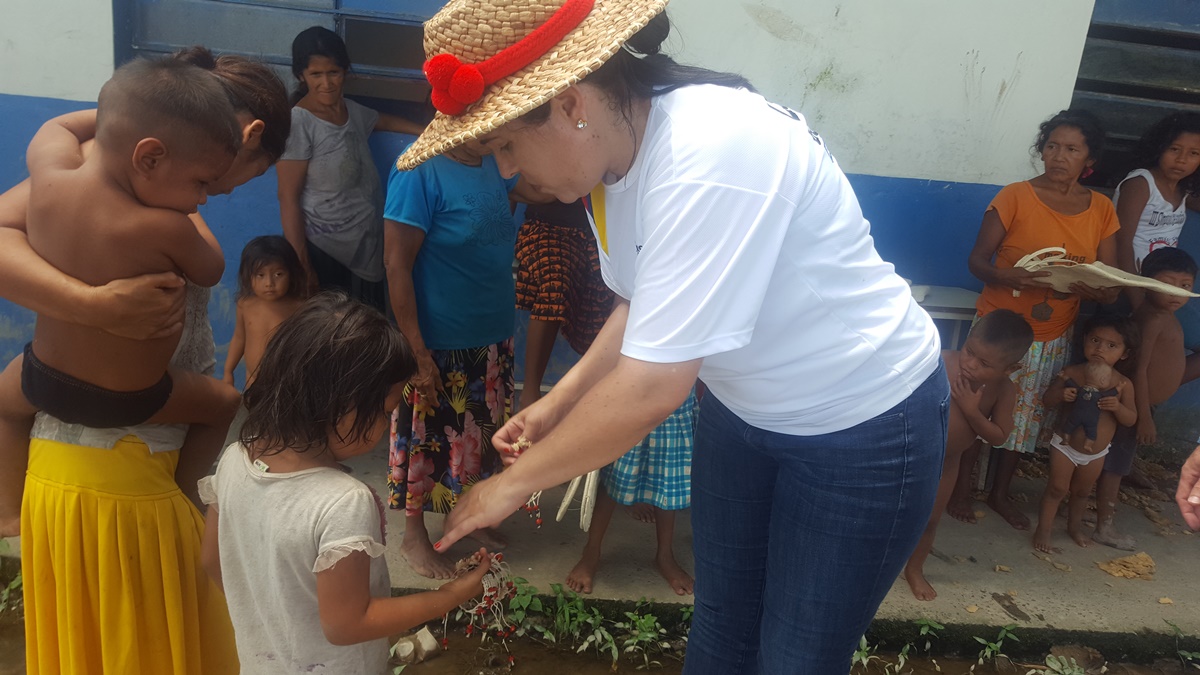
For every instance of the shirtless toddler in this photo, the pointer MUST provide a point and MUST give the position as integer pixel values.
(1159, 372)
(271, 287)
(982, 398)
(164, 130)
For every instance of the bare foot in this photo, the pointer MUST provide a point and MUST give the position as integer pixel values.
(580, 578)
(1041, 542)
(680, 581)
(1108, 535)
(962, 509)
(643, 513)
(10, 527)
(423, 560)
(490, 538)
(1009, 513)
(1081, 540)
(921, 588)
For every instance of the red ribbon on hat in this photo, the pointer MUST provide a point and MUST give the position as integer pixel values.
(457, 85)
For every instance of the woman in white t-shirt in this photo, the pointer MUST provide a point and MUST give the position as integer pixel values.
(743, 258)
(330, 196)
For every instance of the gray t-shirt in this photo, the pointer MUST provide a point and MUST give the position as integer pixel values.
(342, 198)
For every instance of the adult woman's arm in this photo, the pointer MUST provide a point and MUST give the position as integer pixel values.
(1106, 253)
(598, 361)
(145, 307)
(987, 242)
(291, 174)
(611, 417)
(399, 125)
(401, 243)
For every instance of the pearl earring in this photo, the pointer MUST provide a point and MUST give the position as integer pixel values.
(581, 124)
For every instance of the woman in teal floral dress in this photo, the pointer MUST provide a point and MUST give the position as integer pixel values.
(448, 250)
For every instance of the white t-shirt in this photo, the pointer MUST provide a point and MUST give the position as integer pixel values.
(737, 239)
(276, 531)
(1158, 225)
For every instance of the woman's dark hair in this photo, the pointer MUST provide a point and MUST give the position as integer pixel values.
(253, 88)
(1159, 137)
(1128, 331)
(270, 249)
(315, 41)
(639, 70)
(332, 358)
(1083, 120)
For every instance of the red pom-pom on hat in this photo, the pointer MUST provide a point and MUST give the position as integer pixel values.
(466, 85)
(440, 70)
(445, 103)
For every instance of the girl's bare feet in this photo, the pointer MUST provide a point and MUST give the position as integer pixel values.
(1041, 541)
(1081, 540)
(423, 560)
(962, 509)
(581, 576)
(921, 589)
(1107, 534)
(1010, 513)
(643, 513)
(680, 581)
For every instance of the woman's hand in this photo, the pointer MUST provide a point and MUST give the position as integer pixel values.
(1104, 296)
(533, 423)
(1147, 432)
(486, 504)
(140, 308)
(428, 380)
(1187, 495)
(1109, 403)
(1019, 278)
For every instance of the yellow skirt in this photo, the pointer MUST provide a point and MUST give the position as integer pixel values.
(110, 557)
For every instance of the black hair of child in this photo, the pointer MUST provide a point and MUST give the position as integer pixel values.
(266, 249)
(1160, 136)
(1129, 333)
(1007, 331)
(1168, 259)
(334, 357)
(1085, 121)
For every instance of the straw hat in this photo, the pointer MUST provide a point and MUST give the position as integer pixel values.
(491, 61)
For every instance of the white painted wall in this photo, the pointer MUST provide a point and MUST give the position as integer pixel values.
(942, 89)
(55, 48)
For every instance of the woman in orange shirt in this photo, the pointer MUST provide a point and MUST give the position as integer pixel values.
(1052, 209)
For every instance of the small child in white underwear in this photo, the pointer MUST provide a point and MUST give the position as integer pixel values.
(1108, 341)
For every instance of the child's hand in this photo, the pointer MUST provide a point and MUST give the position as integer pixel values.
(470, 584)
(1147, 433)
(967, 400)
(1109, 404)
(1069, 394)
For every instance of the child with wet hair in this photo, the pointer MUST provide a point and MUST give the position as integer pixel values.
(318, 596)
(982, 398)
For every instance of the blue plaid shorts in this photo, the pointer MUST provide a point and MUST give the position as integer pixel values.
(659, 470)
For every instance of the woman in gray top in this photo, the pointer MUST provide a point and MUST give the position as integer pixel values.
(330, 197)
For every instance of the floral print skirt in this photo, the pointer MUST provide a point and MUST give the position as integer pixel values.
(1032, 421)
(436, 454)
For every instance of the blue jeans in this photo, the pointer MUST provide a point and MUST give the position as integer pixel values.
(797, 539)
